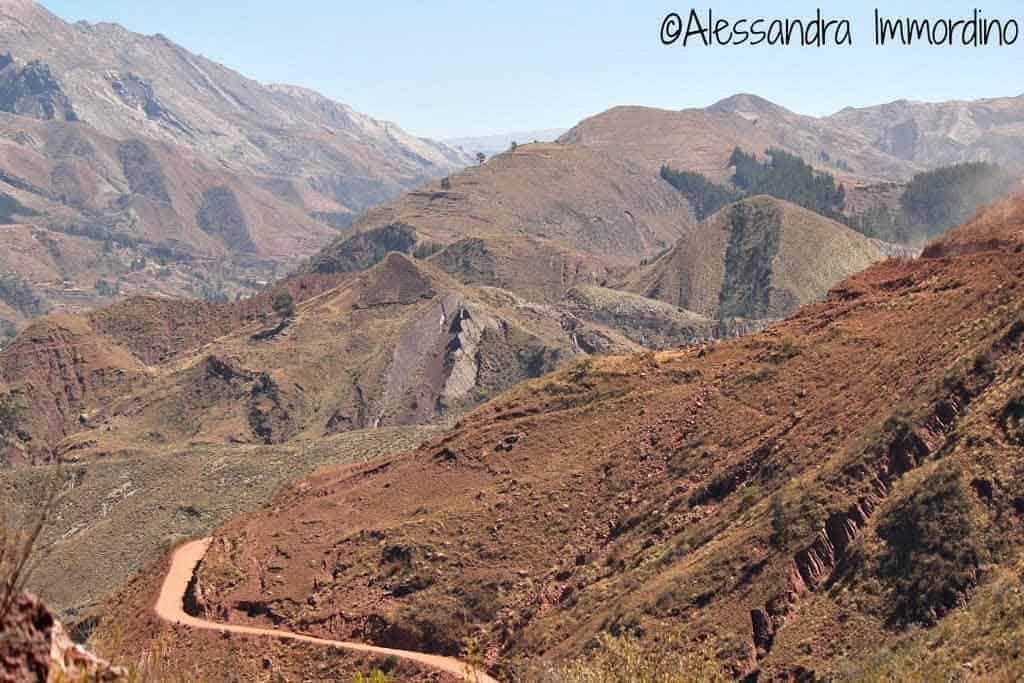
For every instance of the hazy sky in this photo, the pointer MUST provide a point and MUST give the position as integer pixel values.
(444, 68)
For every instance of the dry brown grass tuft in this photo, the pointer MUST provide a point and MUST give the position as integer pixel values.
(630, 660)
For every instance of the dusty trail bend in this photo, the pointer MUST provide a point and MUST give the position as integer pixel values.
(170, 607)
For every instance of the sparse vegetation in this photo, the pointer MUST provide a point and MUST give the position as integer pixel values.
(18, 537)
(786, 350)
(628, 659)
(9, 411)
(793, 523)
(934, 553)
(982, 642)
(426, 249)
(105, 288)
(11, 207)
(18, 294)
(8, 330)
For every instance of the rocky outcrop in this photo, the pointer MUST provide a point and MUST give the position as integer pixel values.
(33, 90)
(906, 447)
(35, 647)
(138, 93)
(462, 354)
(268, 415)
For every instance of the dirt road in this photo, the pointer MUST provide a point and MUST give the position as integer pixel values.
(170, 607)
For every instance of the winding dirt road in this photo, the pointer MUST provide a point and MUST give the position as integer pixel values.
(170, 607)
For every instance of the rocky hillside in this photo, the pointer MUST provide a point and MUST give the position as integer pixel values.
(129, 165)
(759, 258)
(795, 500)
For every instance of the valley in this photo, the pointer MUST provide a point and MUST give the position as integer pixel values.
(720, 393)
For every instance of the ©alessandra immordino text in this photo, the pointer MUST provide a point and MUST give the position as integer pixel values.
(819, 30)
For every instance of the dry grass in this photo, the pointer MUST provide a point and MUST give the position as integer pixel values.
(18, 538)
(632, 660)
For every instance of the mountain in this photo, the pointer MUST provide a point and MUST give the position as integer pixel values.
(594, 211)
(127, 159)
(836, 495)
(496, 144)
(759, 258)
(886, 143)
(593, 201)
(126, 85)
(929, 135)
(151, 397)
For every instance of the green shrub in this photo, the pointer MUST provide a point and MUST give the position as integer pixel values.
(375, 676)
(284, 305)
(9, 207)
(424, 250)
(9, 412)
(794, 523)
(19, 295)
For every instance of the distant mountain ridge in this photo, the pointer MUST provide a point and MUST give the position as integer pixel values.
(125, 84)
(500, 142)
(889, 142)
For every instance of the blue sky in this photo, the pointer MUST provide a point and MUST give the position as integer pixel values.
(446, 68)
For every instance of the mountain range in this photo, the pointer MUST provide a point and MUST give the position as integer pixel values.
(513, 408)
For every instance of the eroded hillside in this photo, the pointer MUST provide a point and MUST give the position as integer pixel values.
(760, 259)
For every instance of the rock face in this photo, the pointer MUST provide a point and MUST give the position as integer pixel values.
(124, 84)
(35, 647)
(399, 344)
(928, 135)
(32, 90)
